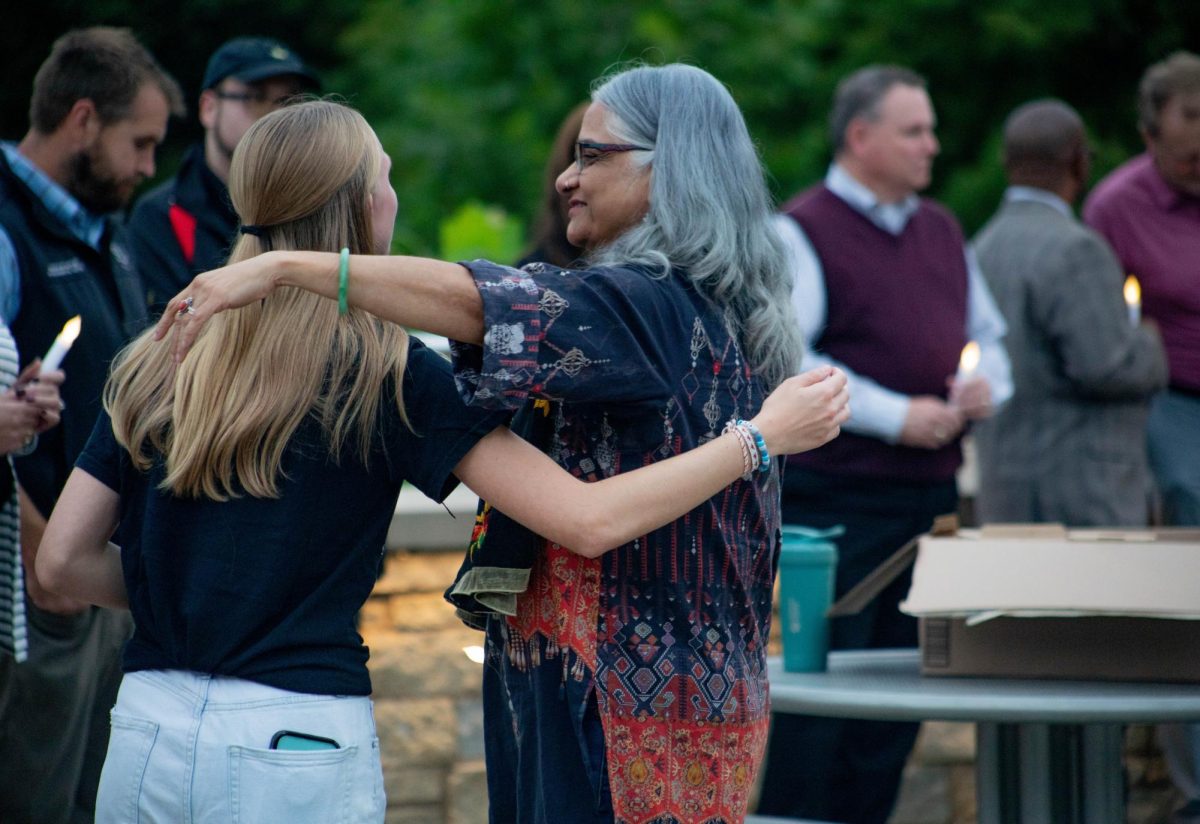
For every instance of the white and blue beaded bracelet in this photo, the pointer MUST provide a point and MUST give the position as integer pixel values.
(764, 457)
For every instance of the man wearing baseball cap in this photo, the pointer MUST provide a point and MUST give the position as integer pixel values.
(186, 225)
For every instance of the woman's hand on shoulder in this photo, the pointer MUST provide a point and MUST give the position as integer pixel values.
(805, 411)
(238, 284)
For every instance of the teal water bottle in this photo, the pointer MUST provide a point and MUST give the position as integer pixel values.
(807, 564)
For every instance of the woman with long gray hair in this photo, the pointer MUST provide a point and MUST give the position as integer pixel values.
(629, 685)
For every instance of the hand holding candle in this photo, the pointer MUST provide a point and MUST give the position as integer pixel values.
(1133, 300)
(62, 344)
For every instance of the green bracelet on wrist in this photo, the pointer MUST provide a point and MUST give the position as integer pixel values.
(343, 280)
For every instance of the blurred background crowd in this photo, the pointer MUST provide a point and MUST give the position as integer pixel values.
(469, 100)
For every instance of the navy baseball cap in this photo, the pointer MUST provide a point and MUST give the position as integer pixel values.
(250, 59)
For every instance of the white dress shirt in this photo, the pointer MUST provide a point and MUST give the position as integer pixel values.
(877, 411)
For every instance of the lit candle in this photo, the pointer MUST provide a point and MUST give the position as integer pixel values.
(1133, 299)
(62, 344)
(968, 361)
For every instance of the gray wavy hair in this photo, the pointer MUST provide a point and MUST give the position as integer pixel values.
(710, 212)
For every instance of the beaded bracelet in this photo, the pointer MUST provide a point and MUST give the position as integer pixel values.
(754, 446)
(343, 280)
(764, 457)
(750, 453)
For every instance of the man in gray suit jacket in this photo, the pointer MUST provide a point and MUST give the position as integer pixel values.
(1070, 445)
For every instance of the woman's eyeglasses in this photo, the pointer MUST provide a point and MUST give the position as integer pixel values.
(587, 153)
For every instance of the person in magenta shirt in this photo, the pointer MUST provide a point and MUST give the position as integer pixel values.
(1149, 210)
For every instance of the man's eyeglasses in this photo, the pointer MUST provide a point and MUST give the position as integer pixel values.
(255, 98)
(587, 153)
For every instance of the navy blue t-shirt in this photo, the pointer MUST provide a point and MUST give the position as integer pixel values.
(266, 589)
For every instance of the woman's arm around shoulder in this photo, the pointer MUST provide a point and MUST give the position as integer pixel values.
(422, 293)
(803, 413)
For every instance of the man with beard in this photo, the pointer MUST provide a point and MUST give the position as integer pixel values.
(99, 110)
(187, 225)
(1149, 211)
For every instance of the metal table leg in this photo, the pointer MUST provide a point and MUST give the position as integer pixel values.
(1049, 774)
(996, 781)
(1103, 777)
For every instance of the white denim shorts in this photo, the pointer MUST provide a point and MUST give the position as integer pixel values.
(193, 749)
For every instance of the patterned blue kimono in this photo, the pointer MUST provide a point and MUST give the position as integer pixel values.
(638, 679)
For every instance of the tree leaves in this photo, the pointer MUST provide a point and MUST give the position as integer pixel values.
(467, 96)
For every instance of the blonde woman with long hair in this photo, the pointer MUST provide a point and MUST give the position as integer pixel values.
(250, 487)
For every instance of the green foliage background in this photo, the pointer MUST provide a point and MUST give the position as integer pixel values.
(466, 96)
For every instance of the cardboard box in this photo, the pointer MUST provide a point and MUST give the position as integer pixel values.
(1041, 601)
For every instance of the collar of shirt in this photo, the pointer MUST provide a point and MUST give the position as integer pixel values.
(890, 217)
(1165, 196)
(81, 223)
(1030, 194)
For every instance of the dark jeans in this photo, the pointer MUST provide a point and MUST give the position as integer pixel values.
(846, 770)
(543, 741)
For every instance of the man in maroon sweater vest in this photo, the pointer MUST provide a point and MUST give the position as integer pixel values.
(1149, 211)
(886, 289)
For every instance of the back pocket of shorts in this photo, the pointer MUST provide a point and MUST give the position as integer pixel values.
(129, 743)
(289, 786)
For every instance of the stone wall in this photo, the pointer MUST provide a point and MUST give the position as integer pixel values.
(427, 706)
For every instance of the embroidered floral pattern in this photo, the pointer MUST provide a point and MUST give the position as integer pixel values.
(701, 772)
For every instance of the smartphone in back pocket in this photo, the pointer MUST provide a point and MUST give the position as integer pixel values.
(290, 740)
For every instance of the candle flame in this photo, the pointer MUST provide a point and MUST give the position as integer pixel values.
(1133, 291)
(969, 359)
(70, 330)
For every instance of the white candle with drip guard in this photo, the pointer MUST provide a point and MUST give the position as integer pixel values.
(968, 362)
(1133, 300)
(62, 344)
